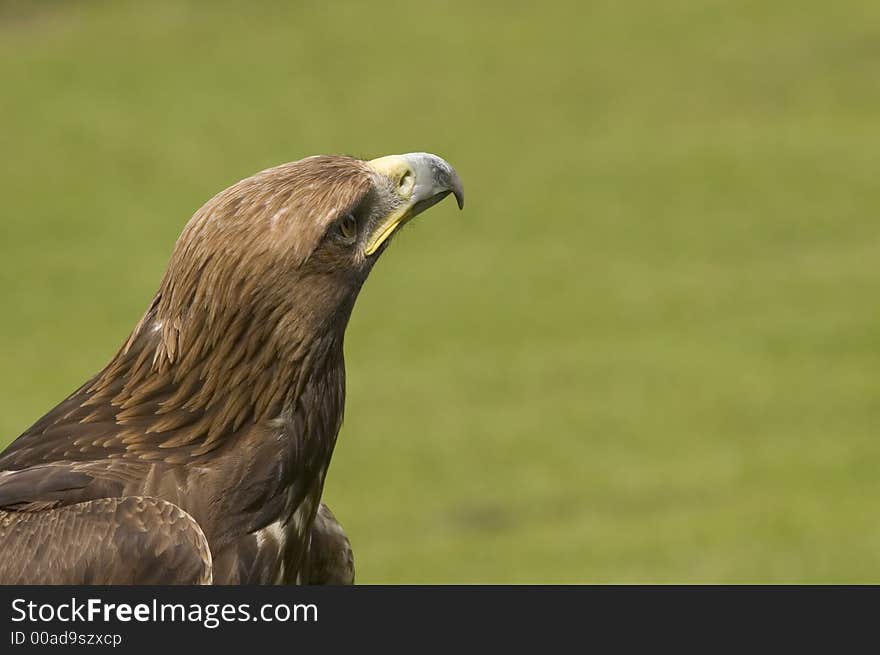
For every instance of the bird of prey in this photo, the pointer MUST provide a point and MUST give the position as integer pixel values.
(198, 454)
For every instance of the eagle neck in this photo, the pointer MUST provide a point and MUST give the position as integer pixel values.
(197, 387)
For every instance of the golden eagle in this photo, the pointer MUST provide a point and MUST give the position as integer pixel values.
(199, 453)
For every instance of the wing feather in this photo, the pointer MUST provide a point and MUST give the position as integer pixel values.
(131, 540)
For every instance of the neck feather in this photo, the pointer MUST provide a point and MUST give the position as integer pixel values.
(192, 381)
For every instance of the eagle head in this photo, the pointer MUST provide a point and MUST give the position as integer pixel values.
(288, 249)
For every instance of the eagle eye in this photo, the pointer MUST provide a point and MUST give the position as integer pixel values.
(348, 227)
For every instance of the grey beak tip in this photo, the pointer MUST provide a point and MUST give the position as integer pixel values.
(443, 176)
(456, 186)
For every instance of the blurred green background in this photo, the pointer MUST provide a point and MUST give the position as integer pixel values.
(646, 352)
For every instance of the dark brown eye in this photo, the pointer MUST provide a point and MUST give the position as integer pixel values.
(348, 227)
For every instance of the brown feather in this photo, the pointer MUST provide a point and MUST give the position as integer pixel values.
(223, 405)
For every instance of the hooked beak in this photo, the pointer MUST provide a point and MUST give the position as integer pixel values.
(421, 180)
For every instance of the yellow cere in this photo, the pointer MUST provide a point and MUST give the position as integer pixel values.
(394, 167)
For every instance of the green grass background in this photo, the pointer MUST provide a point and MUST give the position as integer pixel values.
(646, 352)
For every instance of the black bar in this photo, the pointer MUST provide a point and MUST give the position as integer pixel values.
(424, 618)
